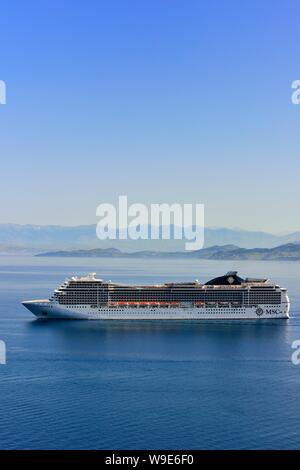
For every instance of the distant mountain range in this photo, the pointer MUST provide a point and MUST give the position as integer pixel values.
(15, 239)
(290, 251)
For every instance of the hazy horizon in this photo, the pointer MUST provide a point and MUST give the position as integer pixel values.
(282, 233)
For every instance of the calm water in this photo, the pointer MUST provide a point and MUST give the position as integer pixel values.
(94, 385)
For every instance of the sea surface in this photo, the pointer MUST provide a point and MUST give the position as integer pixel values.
(117, 385)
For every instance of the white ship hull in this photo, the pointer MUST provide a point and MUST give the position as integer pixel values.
(53, 310)
(227, 297)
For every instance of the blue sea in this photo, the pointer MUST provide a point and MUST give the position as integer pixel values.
(114, 385)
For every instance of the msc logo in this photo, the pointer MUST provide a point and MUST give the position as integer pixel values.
(269, 311)
(273, 311)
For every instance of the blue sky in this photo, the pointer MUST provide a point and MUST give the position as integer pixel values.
(161, 100)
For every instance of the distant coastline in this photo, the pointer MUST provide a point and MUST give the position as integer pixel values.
(16, 237)
(287, 252)
(81, 241)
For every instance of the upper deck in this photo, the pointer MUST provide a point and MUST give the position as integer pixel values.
(227, 288)
(230, 280)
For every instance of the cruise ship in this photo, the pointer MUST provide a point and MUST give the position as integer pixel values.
(226, 297)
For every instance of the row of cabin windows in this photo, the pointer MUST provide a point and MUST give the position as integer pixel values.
(275, 297)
